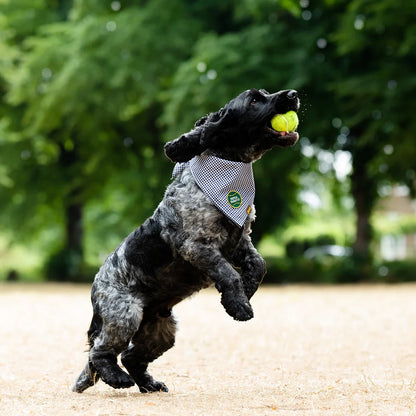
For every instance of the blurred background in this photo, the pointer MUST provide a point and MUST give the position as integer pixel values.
(90, 90)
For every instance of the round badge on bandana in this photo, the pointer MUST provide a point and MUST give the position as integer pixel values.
(234, 199)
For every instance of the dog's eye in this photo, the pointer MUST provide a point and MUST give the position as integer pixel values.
(253, 101)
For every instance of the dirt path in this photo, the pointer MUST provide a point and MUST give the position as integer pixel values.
(309, 351)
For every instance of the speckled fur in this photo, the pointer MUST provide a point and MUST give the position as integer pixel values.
(186, 245)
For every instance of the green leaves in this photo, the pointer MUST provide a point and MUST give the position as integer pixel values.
(92, 89)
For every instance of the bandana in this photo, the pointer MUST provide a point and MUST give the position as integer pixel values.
(230, 185)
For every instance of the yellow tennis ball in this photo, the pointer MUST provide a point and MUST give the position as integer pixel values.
(279, 123)
(292, 120)
(285, 122)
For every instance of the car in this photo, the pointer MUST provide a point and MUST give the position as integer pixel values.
(319, 252)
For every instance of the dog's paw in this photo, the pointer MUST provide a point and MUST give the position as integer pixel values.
(151, 386)
(237, 307)
(249, 290)
(82, 385)
(87, 378)
(147, 384)
(117, 379)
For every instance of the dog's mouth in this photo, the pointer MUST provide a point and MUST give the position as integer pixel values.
(283, 138)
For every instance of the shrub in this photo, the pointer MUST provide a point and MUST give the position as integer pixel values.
(67, 266)
(337, 270)
(396, 271)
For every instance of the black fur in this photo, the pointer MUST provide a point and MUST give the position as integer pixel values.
(187, 245)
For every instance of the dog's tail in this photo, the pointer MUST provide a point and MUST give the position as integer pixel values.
(89, 375)
(94, 329)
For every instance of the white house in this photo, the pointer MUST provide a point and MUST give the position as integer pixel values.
(394, 206)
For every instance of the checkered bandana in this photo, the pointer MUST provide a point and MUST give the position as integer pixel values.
(230, 185)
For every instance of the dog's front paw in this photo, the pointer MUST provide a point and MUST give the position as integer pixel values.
(237, 307)
(250, 288)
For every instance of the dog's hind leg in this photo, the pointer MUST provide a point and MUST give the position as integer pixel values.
(155, 336)
(117, 317)
(89, 375)
(121, 315)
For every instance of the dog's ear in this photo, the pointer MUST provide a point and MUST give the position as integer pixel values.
(216, 128)
(197, 140)
(185, 147)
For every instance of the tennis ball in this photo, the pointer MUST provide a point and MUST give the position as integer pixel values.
(292, 120)
(279, 123)
(285, 122)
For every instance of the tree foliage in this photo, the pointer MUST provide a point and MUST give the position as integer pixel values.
(92, 89)
(375, 49)
(83, 103)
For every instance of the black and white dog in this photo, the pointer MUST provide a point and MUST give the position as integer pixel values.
(199, 235)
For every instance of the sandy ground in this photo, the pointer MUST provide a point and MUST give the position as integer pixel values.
(308, 351)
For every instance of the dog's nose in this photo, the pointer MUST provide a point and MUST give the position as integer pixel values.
(292, 94)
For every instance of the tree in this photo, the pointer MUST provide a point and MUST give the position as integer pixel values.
(78, 91)
(92, 89)
(375, 45)
(87, 76)
(355, 63)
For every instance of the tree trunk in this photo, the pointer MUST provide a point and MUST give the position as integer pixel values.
(72, 255)
(364, 192)
(363, 231)
(74, 228)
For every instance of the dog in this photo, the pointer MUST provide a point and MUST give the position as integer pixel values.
(198, 236)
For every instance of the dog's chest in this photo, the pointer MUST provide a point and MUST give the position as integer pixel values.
(202, 220)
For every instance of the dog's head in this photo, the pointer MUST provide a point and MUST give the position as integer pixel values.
(240, 131)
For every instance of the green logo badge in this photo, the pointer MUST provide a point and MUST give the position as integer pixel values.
(234, 199)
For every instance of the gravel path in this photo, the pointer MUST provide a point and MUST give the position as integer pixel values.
(341, 350)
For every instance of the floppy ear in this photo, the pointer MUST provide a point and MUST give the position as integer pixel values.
(185, 147)
(216, 128)
(200, 138)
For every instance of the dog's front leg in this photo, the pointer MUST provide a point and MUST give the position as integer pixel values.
(253, 266)
(227, 280)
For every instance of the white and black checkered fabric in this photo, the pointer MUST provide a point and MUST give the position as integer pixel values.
(230, 185)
